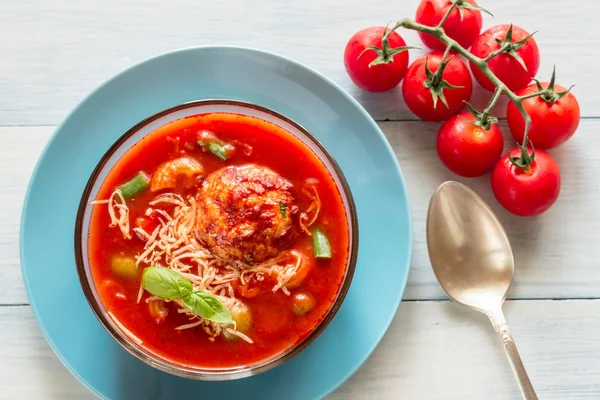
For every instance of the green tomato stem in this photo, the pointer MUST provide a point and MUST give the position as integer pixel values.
(440, 71)
(486, 113)
(445, 17)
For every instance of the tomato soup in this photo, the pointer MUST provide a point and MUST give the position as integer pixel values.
(218, 241)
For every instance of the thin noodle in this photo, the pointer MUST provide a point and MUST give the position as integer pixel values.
(140, 293)
(116, 205)
(173, 244)
(315, 207)
(239, 334)
(188, 326)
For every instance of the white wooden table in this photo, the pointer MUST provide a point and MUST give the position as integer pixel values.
(52, 53)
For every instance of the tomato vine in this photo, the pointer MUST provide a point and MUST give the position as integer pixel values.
(507, 46)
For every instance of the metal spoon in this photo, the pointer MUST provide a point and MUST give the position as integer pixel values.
(473, 261)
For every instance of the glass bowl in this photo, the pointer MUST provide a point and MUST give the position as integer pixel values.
(110, 158)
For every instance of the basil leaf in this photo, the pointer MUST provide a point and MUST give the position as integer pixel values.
(166, 283)
(207, 306)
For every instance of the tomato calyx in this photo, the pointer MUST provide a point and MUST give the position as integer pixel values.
(550, 96)
(509, 47)
(436, 84)
(482, 119)
(525, 160)
(461, 5)
(385, 54)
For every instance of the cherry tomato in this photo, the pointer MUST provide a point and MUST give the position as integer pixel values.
(526, 193)
(552, 123)
(466, 149)
(377, 78)
(462, 25)
(505, 66)
(419, 99)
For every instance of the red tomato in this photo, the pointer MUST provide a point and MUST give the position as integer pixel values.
(506, 67)
(466, 149)
(419, 99)
(552, 123)
(377, 78)
(526, 193)
(148, 222)
(464, 29)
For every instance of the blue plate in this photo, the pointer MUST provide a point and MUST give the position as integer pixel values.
(342, 125)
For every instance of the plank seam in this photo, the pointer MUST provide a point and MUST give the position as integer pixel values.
(592, 118)
(524, 299)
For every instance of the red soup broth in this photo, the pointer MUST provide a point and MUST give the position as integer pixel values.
(276, 327)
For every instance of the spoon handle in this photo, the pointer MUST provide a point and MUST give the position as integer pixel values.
(510, 348)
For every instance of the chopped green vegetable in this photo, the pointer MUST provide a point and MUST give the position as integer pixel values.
(209, 141)
(138, 184)
(216, 147)
(168, 284)
(283, 210)
(123, 266)
(321, 247)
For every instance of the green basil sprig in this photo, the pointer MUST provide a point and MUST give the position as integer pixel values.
(168, 284)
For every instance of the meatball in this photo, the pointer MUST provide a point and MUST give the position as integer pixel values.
(245, 213)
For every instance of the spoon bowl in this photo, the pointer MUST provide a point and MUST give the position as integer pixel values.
(473, 261)
(468, 247)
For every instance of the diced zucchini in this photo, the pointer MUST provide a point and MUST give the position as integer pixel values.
(123, 266)
(135, 186)
(242, 316)
(321, 247)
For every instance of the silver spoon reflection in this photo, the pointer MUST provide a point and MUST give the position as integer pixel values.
(473, 261)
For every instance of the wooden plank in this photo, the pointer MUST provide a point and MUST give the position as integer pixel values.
(553, 253)
(33, 370)
(54, 53)
(554, 256)
(433, 350)
(19, 151)
(442, 351)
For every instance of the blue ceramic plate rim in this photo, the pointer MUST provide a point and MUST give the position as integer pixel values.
(352, 100)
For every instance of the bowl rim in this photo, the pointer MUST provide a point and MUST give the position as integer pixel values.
(234, 373)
